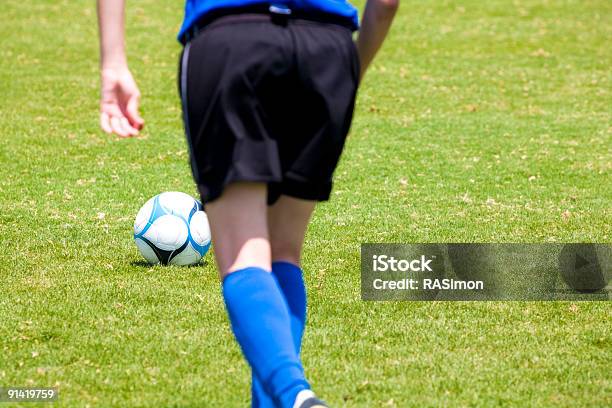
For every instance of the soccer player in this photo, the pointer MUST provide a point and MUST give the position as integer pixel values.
(267, 91)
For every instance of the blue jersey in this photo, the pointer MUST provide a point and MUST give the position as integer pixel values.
(196, 9)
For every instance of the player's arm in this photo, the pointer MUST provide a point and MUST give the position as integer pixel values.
(375, 24)
(119, 96)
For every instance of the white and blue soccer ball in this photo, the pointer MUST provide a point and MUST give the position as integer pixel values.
(172, 228)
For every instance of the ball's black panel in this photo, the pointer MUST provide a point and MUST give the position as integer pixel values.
(163, 255)
(178, 250)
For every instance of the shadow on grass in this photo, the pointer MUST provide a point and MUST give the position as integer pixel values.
(145, 265)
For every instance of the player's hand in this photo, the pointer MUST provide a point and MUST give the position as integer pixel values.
(119, 103)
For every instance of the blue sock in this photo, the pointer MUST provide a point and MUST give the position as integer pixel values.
(261, 323)
(291, 282)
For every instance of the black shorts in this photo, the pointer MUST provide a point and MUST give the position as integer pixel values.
(268, 99)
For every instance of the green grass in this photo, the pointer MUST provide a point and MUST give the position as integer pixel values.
(479, 121)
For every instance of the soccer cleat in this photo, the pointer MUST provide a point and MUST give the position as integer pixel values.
(308, 399)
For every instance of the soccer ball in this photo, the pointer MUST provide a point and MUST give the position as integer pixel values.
(172, 228)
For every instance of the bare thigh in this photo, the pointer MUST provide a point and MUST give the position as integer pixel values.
(238, 222)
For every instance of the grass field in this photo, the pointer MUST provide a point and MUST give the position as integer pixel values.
(479, 122)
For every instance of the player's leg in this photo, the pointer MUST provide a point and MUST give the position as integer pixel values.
(238, 221)
(288, 219)
(309, 142)
(256, 307)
